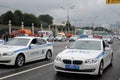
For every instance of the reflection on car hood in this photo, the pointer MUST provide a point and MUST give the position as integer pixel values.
(79, 54)
(9, 48)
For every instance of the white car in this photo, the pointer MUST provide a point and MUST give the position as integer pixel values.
(20, 50)
(60, 38)
(84, 56)
(74, 37)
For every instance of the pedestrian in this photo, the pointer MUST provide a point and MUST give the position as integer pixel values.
(6, 36)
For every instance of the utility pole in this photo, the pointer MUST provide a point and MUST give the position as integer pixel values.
(68, 21)
(9, 26)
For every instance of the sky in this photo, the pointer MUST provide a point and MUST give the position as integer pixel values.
(84, 12)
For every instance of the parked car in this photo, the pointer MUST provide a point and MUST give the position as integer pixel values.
(84, 56)
(50, 39)
(20, 50)
(60, 38)
(74, 37)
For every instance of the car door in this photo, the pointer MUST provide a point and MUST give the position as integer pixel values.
(34, 50)
(42, 48)
(107, 53)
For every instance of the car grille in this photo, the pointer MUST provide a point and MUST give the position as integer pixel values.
(76, 62)
(67, 61)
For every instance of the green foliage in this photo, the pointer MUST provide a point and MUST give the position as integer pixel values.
(46, 19)
(17, 17)
(7, 16)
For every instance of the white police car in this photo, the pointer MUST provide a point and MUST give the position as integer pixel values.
(20, 50)
(84, 56)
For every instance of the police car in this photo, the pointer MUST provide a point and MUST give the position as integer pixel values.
(20, 50)
(84, 56)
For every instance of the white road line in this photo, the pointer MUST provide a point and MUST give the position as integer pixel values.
(25, 71)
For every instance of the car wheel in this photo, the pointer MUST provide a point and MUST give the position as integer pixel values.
(58, 73)
(48, 55)
(100, 73)
(19, 60)
(111, 60)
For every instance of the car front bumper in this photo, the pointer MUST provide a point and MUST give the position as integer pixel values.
(7, 60)
(84, 68)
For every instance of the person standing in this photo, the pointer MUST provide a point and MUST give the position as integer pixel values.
(6, 36)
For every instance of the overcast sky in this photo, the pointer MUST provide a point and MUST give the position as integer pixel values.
(84, 13)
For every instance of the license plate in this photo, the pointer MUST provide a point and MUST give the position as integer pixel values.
(72, 67)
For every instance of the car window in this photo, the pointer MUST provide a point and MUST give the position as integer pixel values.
(34, 41)
(41, 41)
(18, 42)
(86, 45)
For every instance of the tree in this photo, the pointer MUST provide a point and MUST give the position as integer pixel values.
(45, 19)
(29, 19)
(8, 16)
(68, 26)
(18, 17)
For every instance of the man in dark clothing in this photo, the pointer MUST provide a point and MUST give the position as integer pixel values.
(6, 36)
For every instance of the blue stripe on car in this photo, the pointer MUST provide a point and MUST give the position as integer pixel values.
(100, 55)
(39, 46)
(23, 49)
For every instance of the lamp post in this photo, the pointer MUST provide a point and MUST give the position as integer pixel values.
(9, 26)
(22, 25)
(32, 28)
(68, 22)
(92, 19)
(41, 27)
(93, 24)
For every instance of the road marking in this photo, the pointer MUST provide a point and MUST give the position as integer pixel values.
(25, 71)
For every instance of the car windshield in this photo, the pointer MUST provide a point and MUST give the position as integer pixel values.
(18, 42)
(86, 45)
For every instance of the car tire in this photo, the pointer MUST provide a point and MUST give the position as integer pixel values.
(111, 60)
(101, 67)
(58, 73)
(19, 62)
(48, 55)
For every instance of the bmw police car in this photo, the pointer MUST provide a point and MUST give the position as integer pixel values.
(84, 56)
(20, 50)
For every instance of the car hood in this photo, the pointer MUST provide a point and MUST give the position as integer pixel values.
(79, 54)
(9, 48)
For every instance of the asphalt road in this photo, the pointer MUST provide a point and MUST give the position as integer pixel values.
(43, 70)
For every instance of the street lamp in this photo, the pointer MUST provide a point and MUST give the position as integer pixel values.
(92, 19)
(9, 26)
(67, 9)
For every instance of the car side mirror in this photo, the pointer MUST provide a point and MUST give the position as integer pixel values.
(107, 48)
(31, 45)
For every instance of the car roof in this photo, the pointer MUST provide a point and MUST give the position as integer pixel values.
(27, 37)
(90, 39)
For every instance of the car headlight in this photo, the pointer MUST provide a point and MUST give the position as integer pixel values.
(8, 53)
(58, 59)
(91, 60)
